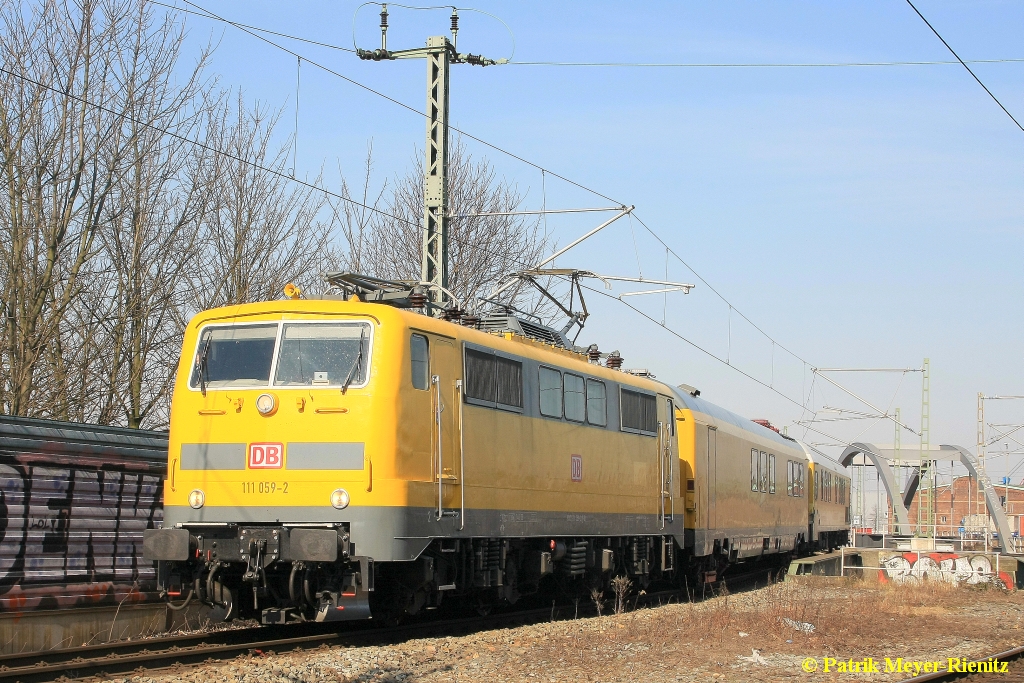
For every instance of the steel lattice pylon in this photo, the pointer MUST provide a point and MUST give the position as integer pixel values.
(435, 178)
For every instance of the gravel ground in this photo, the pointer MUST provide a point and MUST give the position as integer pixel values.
(761, 635)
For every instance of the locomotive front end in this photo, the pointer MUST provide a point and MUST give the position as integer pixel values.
(277, 412)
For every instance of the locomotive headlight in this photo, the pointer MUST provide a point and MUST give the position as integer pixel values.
(340, 499)
(196, 499)
(266, 404)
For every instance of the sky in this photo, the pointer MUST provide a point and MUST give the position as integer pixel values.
(859, 216)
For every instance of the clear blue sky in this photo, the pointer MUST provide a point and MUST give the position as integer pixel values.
(862, 216)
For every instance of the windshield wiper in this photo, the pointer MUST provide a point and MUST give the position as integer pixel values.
(356, 363)
(203, 368)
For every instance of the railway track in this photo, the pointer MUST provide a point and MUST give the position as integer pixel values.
(1009, 657)
(171, 651)
(162, 653)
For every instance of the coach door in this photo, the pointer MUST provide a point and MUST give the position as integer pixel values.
(667, 467)
(446, 412)
(712, 460)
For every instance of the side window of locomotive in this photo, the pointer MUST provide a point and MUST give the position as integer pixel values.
(480, 376)
(494, 380)
(671, 418)
(234, 356)
(639, 412)
(574, 397)
(754, 478)
(764, 472)
(420, 362)
(597, 403)
(508, 380)
(771, 473)
(550, 392)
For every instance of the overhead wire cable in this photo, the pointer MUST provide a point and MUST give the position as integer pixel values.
(719, 294)
(766, 65)
(693, 65)
(693, 344)
(953, 52)
(367, 88)
(255, 28)
(254, 31)
(253, 164)
(201, 145)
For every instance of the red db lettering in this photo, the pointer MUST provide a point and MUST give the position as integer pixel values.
(265, 456)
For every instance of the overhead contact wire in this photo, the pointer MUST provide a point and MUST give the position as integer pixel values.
(367, 88)
(962, 62)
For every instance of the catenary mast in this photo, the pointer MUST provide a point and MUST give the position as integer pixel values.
(440, 53)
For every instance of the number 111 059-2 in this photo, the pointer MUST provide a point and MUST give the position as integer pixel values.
(264, 487)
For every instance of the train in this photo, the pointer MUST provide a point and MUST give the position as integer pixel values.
(337, 459)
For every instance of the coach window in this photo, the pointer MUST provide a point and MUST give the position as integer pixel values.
(574, 397)
(800, 479)
(753, 469)
(550, 392)
(764, 472)
(597, 403)
(771, 473)
(420, 362)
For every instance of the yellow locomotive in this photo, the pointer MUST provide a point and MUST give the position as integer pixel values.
(335, 459)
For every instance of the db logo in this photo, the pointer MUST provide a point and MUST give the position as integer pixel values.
(577, 468)
(265, 456)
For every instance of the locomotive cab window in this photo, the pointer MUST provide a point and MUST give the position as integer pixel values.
(639, 412)
(420, 353)
(550, 392)
(597, 403)
(234, 356)
(319, 354)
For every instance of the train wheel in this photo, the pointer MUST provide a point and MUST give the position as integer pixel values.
(225, 607)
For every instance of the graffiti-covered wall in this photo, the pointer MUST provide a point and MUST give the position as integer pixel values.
(74, 501)
(957, 568)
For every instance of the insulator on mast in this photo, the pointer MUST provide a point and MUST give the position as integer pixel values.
(455, 27)
(384, 26)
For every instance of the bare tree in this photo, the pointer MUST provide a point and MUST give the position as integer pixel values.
(62, 147)
(150, 237)
(116, 228)
(263, 231)
(481, 248)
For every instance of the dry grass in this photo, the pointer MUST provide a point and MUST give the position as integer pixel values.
(755, 636)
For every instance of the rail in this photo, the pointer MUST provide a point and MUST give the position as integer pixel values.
(169, 651)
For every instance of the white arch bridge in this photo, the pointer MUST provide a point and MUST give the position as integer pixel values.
(901, 500)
